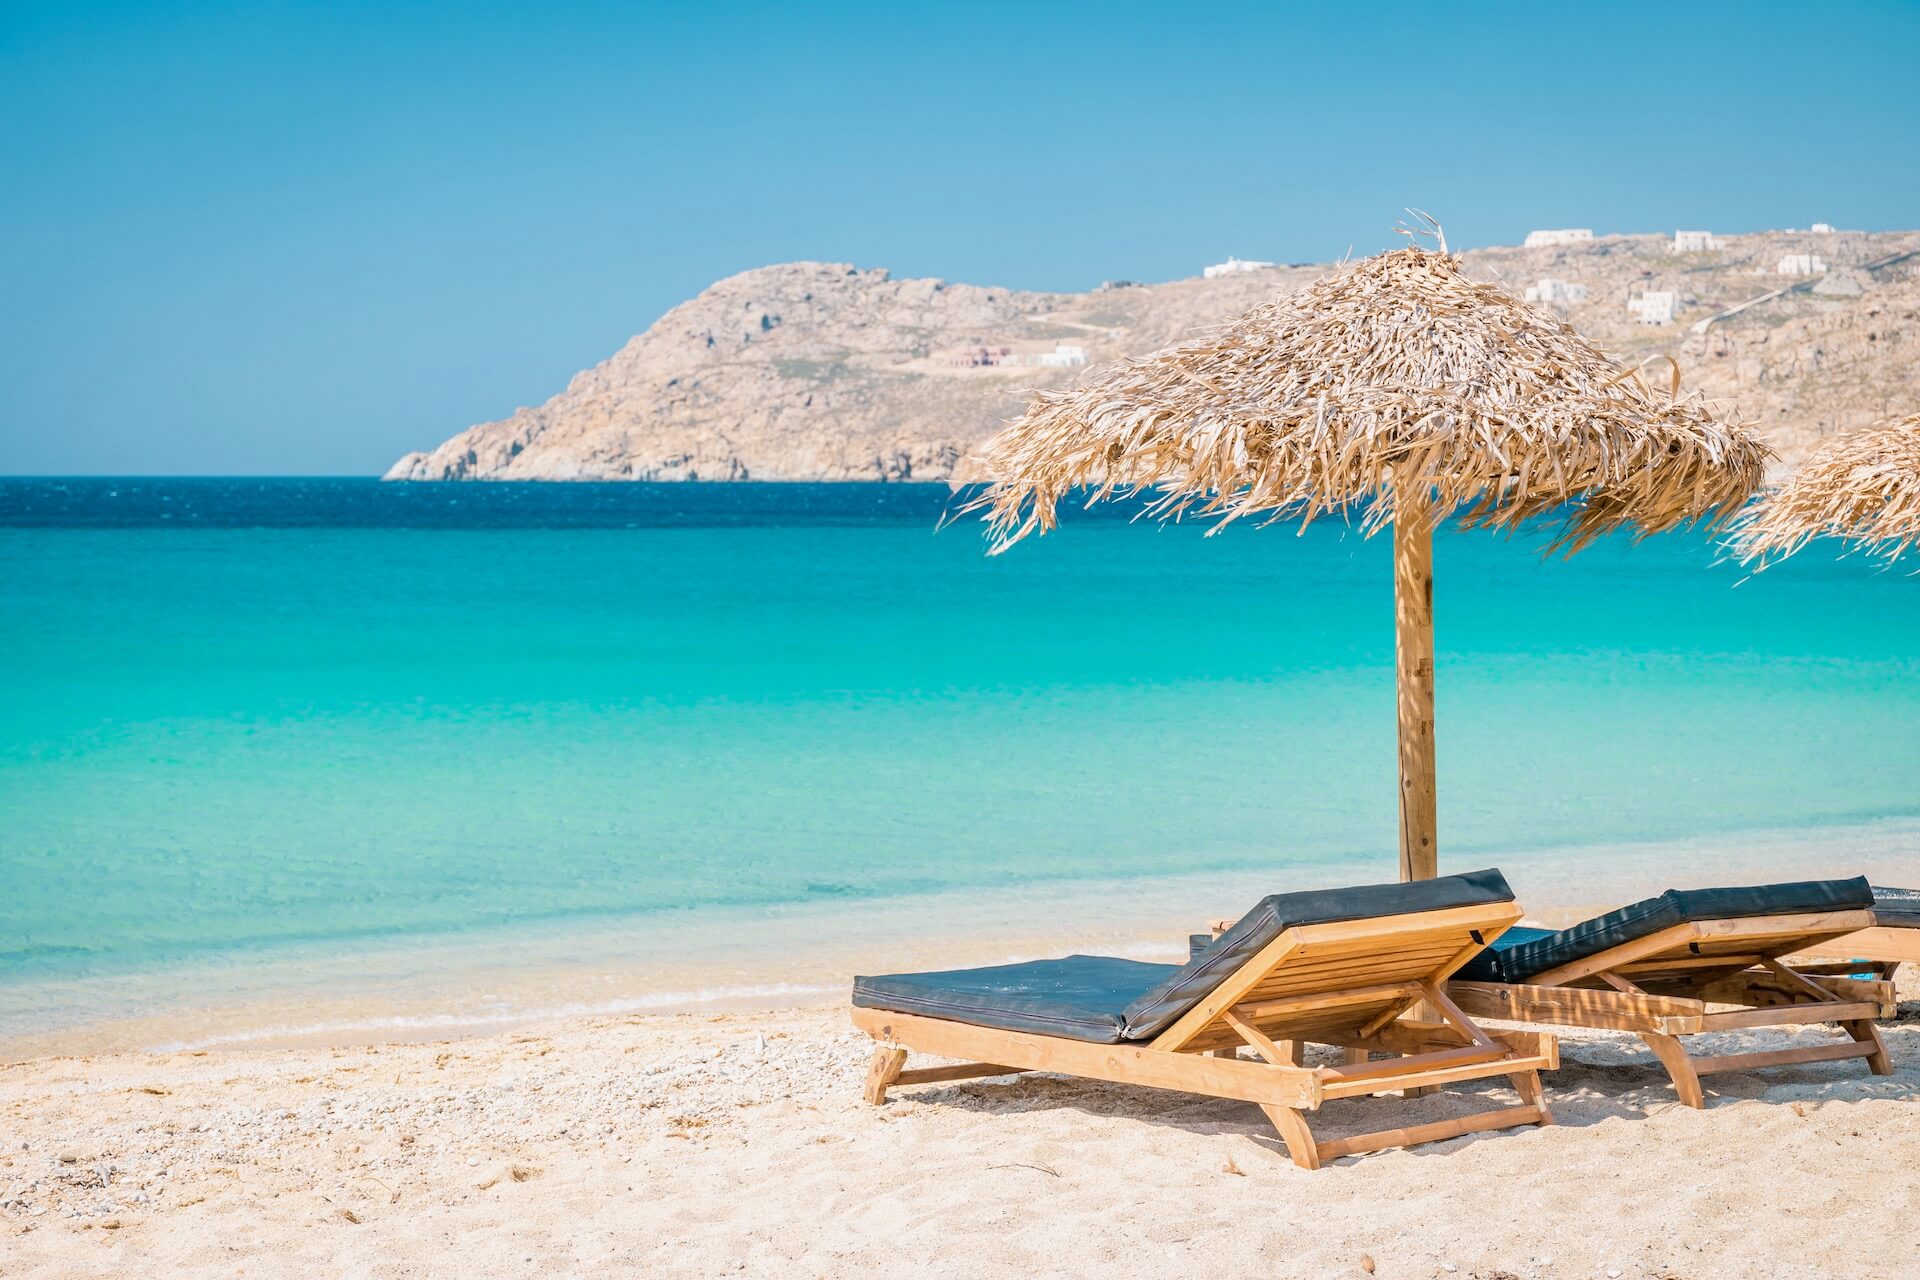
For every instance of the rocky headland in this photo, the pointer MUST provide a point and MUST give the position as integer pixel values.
(820, 371)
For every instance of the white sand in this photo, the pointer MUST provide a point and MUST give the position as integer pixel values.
(707, 1145)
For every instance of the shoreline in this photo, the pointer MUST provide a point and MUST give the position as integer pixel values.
(802, 956)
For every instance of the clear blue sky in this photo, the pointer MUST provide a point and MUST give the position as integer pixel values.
(289, 238)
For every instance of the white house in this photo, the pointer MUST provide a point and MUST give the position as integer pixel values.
(1063, 356)
(1695, 242)
(1570, 235)
(1556, 292)
(1802, 264)
(1822, 229)
(1656, 306)
(1232, 265)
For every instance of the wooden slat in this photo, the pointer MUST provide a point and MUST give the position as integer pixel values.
(1878, 942)
(1784, 1015)
(1407, 1037)
(1407, 928)
(1784, 926)
(1263, 1010)
(964, 1071)
(1679, 964)
(1577, 1007)
(1428, 956)
(1783, 1057)
(1357, 969)
(1426, 1079)
(1122, 1063)
(1438, 1131)
(1418, 1062)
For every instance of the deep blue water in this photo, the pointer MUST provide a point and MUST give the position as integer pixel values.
(330, 503)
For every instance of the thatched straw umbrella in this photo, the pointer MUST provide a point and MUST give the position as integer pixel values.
(1863, 487)
(1398, 389)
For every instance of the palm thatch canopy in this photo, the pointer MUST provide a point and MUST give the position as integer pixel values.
(1864, 487)
(1397, 386)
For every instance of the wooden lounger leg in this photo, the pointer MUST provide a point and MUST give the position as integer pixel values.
(1295, 1133)
(1866, 1033)
(1673, 1056)
(887, 1061)
(1527, 1085)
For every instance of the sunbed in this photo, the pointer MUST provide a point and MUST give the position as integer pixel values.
(1341, 967)
(1656, 967)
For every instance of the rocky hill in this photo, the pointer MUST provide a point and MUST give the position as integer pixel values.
(815, 371)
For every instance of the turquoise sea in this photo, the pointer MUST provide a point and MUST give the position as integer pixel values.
(243, 722)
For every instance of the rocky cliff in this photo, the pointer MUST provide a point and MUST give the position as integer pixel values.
(816, 371)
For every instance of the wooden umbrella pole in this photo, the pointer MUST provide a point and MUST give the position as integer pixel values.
(1413, 650)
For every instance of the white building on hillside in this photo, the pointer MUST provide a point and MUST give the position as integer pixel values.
(1656, 306)
(1802, 264)
(1570, 235)
(1232, 265)
(1063, 356)
(1821, 229)
(1695, 242)
(1556, 292)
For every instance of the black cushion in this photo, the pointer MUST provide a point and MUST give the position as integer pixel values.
(1107, 1000)
(1489, 965)
(1521, 960)
(1896, 908)
(1079, 997)
(1158, 1009)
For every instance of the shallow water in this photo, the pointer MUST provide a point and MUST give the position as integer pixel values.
(241, 720)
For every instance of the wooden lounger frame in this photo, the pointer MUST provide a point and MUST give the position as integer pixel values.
(1883, 948)
(1351, 984)
(1661, 988)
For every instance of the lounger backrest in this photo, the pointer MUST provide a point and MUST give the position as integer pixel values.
(1184, 989)
(1683, 906)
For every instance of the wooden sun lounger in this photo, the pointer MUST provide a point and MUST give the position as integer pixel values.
(1665, 986)
(1350, 983)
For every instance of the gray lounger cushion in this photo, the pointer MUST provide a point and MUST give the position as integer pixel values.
(1520, 954)
(1079, 997)
(1108, 1000)
(1896, 908)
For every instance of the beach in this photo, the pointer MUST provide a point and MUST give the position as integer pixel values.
(737, 1144)
(469, 882)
